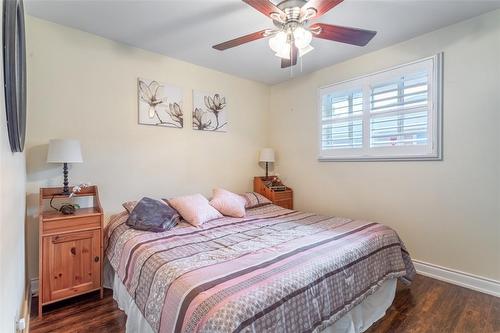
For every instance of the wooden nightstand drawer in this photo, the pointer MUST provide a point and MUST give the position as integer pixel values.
(282, 195)
(75, 223)
(288, 203)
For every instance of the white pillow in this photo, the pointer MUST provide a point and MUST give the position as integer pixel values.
(195, 209)
(228, 203)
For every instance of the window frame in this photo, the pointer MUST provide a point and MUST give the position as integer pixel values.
(429, 152)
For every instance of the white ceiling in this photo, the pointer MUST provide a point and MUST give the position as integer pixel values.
(186, 29)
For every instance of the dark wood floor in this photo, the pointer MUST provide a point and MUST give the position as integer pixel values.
(427, 306)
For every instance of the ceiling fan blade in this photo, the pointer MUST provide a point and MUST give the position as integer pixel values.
(346, 35)
(267, 8)
(320, 6)
(293, 58)
(241, 40)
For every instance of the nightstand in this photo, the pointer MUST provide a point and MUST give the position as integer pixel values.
(281, 198)
(70, 249)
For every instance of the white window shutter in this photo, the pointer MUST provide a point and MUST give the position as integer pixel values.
(392, 114)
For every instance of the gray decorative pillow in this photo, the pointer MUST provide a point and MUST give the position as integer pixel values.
(153, 215)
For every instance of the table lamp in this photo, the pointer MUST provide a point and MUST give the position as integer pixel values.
(64, 151)
(267, 156)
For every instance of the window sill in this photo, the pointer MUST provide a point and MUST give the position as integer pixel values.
(380, 159)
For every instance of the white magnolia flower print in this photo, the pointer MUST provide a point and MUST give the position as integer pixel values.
(176, 114)
(149, 93)
(215, 105)
(199, 122)
(160, 104)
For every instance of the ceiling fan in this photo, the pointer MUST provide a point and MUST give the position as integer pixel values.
(292, 37)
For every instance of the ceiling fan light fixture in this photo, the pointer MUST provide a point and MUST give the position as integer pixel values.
(284, 52)
(278, 42)
(302, 37)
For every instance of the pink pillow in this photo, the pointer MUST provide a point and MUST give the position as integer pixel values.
(228, 203)
(194, 209)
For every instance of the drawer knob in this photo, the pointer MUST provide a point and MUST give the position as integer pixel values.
(96, 258)
(73, 251)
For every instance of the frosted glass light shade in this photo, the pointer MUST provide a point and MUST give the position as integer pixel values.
(277, 42)
(267, 155)
(280, 42)
(64, 151)
(284, 53)
(302, 37)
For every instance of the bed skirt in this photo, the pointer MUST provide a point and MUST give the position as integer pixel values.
(357, 320)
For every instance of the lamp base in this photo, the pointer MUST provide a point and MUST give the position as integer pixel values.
(66, 183)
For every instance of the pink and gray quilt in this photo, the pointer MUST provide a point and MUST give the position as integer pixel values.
(275, 270)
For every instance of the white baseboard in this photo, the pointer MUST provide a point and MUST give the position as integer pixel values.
(23, 322)
(471, 281)
(34, 286)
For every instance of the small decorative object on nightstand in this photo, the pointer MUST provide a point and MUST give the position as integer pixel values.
(64, 151)
(267, 156)
(274, 190)
(68, 208)
(70, 250)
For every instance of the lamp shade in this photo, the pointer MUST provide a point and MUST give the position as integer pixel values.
(64, 151)
(266, 155)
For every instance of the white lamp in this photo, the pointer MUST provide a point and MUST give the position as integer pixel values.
(64, 151)
(267, 156)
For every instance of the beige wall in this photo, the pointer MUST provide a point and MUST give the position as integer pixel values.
(85, 87)
(447, 212)
(12, 210)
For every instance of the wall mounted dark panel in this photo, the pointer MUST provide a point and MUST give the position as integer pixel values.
(14, 65)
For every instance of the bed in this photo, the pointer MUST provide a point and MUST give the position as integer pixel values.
(275, 270)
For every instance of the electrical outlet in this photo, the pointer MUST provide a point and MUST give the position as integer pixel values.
(21, 325)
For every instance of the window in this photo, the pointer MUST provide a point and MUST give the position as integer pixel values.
(392, 114)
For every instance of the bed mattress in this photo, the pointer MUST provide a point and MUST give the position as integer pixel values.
(356, 320)
(275, 270)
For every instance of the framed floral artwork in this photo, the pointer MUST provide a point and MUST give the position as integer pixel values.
(160, 104)
(209, 112)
